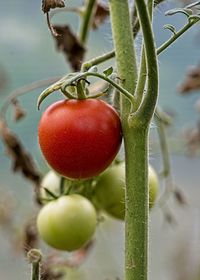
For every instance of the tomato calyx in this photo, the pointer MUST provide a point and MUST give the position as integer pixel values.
(79, 81)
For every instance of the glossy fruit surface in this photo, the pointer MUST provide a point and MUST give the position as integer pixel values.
(67, 223)
(110, 190)
(80, 138)
(153, 186)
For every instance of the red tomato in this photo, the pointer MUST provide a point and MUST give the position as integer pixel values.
(80, 138)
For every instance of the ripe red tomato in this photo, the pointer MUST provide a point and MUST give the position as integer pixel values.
(80, 138)
(67, 223)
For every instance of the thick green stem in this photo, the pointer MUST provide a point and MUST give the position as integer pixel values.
(137, 216)
(123, 42)
(87, 17)
(136, 151)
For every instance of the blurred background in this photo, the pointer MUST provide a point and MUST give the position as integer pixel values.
(28, 54)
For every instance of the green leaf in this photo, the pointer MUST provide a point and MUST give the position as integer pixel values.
(108, 71)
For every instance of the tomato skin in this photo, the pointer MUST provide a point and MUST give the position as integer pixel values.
(51, 181)
(80, 138)
(110, 190)
(153, 186)
(67, 223)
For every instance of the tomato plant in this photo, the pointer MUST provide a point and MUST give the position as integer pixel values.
(110, 190)
(67, 223)
(80, 138)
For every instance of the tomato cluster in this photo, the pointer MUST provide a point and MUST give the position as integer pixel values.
(79, 139)
(69, 222)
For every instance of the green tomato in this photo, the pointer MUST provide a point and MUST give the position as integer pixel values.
(153, 186)
(110, 190)
(51, 181)
(67, 223)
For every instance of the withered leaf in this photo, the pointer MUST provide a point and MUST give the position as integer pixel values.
(52, 4)
(30, 236)
(180, 197)
(19, 112)
(22, 160)
(68, 43)
(101, 13)
(191, 81)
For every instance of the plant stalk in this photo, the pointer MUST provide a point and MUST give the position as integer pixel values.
(87, 17)
(136, 151)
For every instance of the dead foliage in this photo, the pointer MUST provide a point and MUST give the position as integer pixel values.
(68, 43)
(52, 4)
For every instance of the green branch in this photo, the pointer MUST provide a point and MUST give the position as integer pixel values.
(176, 36)
(87, 18)
(143, 69)
(146, 110)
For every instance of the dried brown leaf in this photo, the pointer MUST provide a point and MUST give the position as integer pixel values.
(52, 4)
(21, 159)
(192, 137)
(180, 197)
(101, 13)
(19, 112)
(68, 43)
(30, 236)
(191, 81)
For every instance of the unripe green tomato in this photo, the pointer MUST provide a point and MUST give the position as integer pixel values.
(110, 190)
(153, 186)
(51, 181)
(67, 223)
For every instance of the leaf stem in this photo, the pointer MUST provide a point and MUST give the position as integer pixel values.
(176, 36)
(97, 60)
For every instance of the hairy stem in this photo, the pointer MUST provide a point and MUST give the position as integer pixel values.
(143, 69)
(34, 257)
(148, 105)
(136, 152)
(176, 36)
